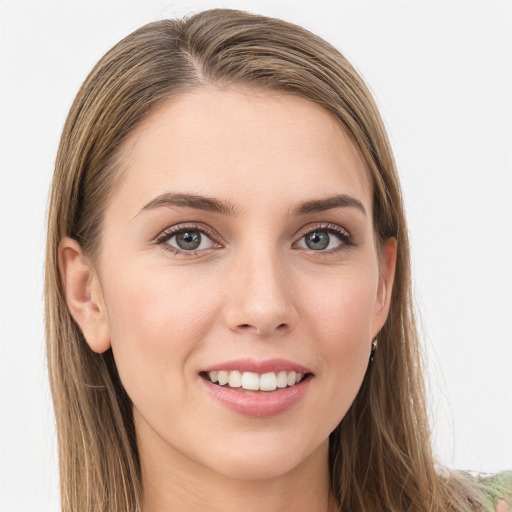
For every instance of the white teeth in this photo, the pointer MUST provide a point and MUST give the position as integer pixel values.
(223, 377)
(254, 381)
(268, 382)
(235, 379)
(251, 381)
(282, 379)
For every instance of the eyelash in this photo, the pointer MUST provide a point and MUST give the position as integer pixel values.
(164, 237)
(341, 234)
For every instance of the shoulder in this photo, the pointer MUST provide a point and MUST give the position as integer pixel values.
(502, 506)
(498, 491)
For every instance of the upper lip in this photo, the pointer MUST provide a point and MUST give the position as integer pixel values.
(258, 366)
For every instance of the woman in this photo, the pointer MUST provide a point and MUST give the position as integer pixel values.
(229, 316)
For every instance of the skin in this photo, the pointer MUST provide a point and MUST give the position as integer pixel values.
(256, 290)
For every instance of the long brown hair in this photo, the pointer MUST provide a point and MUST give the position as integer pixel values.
(380, 455)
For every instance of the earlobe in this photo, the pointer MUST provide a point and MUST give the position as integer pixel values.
(83, 295)
(386, 279)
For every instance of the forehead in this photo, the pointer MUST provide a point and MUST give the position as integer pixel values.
(238, 144)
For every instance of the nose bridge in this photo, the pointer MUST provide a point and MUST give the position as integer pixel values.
(260, 295)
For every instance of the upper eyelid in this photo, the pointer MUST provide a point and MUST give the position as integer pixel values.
(177, 228)
(328, 226)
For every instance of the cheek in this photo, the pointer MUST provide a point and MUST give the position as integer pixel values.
(340, 320)
(156, 322)
(341, 308)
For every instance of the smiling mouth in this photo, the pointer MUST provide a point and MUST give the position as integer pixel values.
(250, 381)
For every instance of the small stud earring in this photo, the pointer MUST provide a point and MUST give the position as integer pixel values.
(374, 347)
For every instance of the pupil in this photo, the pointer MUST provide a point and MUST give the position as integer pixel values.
(317, 240)
(188, 240)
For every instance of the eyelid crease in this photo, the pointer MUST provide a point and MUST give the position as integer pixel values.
(180, 228)
(327, 226)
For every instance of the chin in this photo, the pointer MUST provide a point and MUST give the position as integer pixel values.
(261, 469)
(264, 459)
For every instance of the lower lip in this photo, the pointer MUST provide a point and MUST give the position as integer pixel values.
(260, 404)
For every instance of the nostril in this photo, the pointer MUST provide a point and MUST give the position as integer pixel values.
(263, 329)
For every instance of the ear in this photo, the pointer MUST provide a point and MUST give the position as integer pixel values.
(386, 279)
(83, 295)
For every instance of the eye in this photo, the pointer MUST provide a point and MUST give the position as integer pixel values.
(325, 239)
(186, 240)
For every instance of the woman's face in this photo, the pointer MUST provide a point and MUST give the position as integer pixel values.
(240, 244)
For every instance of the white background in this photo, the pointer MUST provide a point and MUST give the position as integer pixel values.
(442, 76)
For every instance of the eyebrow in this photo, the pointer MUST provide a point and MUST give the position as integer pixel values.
(211, 204)
(329, 203)
(208, 204)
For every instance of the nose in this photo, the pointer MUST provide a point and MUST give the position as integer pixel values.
(260, 297)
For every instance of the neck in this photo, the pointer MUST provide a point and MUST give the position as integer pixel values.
(172, 481)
